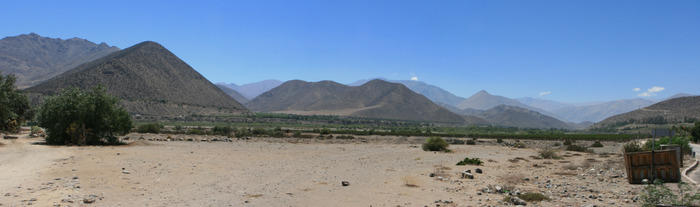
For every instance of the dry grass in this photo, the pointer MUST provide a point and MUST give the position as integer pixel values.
(410, 181)
(441, 171)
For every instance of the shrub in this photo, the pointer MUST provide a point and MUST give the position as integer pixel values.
(178, 127)
(533, 197)
(325, 131)
(632, 146)
(471, 142)
(83, 117)
(556, 144)
(149, 128)
(658, 193)
(470, 161)
(499, 140)
(684, 142)
(567, 142)
(519, 145)
(345, 137)
(35, 129)
(197, 131)
(435, 144)
(578, 148)
(597, 144)
(549, 154)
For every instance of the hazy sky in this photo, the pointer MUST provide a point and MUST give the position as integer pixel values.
(568, 51)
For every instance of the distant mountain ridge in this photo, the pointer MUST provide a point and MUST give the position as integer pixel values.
(676, 110)
(34, 59)
(252, 90)
(598, 112)
(233, 93)
(514, 116)
(150, 80)
(374, 99)
(432, 92)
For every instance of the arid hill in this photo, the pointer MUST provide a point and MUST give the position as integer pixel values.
(150, 80)
(233, 93)
(375, 99)
(513, 116)
(34, 59)
(676, 110)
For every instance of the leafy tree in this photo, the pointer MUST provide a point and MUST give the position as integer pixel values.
(695, 132)
(14, 106)
(83, 117)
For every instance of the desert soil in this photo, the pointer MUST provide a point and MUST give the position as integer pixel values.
(381, 171)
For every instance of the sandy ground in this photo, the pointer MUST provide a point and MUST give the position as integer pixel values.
(382, 171)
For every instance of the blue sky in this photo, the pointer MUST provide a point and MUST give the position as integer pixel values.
(567, 51)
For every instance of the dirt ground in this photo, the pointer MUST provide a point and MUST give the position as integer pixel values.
(381, 171)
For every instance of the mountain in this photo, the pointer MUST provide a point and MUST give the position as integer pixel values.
(150, 80)
(34, 59)
(484, 100)
(432, 92)
(252, 90)
(233, 93)
(598, 112)
(543, 103)
(513, 116)
(678, 95)
(677, 110)
(374, 99)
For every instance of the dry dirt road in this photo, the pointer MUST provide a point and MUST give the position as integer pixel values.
(292, 172)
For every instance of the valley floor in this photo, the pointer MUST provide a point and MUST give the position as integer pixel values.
(381, 171)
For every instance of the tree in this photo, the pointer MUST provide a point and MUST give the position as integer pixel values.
(435, 144)
(83, 117)
(695, 132)
(14, 106)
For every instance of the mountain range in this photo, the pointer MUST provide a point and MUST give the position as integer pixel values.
(675, 110)
(374, 99)
(34, 59)
(150, 81)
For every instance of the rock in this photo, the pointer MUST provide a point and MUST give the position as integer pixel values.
(432, 175)
(345, 183)
(11, 137)
(89, 200)
(518, 201)
(466, 175)
(126, 172)
(478, 170)
(468, 171)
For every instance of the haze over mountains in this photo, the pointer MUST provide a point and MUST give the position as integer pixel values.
(150, 80)
(34, 59)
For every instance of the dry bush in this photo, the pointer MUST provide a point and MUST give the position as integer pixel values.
(440, 171)
(516, 159)
(513, 179)
(410, 182)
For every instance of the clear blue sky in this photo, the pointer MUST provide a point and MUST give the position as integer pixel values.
(568, 51)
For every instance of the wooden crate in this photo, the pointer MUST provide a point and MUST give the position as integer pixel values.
(666, 167)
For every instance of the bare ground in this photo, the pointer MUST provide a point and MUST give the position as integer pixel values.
(382, 171)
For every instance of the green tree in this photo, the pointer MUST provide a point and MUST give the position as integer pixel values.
(695, 132)
(14, 106)
(83, 117)
(435, 144)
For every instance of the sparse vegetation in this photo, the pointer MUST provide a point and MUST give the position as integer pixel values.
(597, 144)
(519, 145)
(632, 146)
(153, 128)
(578, 148)
(567, 142)
(470, 161)
(533, 197)
(549, 154)
(657, 194)
(499, 140)
(684, 142)
(471, 142)
(83, 117)
(435, 144)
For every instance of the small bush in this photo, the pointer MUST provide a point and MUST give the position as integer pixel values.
(578, 148)
(549, 154)
(567, 142)
(556, 144)
(345, 137)
(597, 144)
(435, 144)
(149, 128)
(35, 129)
(196, 131)
(470, 161)
(178, 127)
(533, 197)
(471, 142)
(658, 193)
(632, 146)
(519, 145)
(499, 140)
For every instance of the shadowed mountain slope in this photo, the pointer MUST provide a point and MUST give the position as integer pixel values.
(676, 110)
(151, 80)
(34, 59)
(374, 99)
(513, 116)
(233, 93)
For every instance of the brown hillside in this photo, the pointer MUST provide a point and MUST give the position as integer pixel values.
(375, 99)
(150, 79)
(675, 110)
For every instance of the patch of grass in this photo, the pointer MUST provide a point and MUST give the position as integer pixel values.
(533, 197)
(549, 154)
(470, 161)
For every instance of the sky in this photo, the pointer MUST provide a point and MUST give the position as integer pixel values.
(566, 51)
